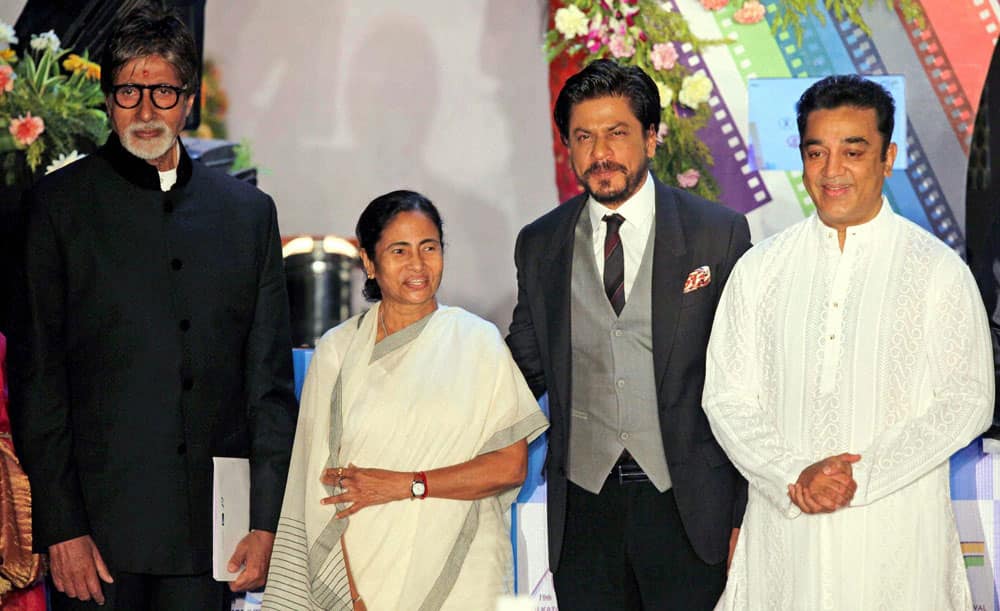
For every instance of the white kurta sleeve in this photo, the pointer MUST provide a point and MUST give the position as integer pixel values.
(744, 428)
(957, 342)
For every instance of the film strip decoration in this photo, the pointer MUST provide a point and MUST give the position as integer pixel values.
(959, 112)
(740, 183)
(919, 172)
(987, 13)
(990, 22)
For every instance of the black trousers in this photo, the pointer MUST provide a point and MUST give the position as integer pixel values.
(139, 592)
(626, 548)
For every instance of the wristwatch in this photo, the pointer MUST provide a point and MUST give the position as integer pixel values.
(418, 488)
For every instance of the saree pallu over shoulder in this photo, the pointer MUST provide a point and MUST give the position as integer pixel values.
(440, 392)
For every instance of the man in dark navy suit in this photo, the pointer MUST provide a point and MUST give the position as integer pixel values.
(617, 289)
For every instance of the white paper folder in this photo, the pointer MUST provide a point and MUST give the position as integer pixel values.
(230, 512)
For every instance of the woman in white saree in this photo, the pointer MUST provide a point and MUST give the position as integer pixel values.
(411, 442)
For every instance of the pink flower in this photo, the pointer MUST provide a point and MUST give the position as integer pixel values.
(688, 178)
(26, 129)
(752, 11)
(714, 5)
(663, 55)
(7, 77)
(596, 39)
(661, 132)
(621, 46)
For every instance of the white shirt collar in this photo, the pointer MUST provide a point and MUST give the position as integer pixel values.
(638, 209)
(169, 178)
(864, 232)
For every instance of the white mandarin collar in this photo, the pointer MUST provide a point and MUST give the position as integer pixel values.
(638, 210)
(863, 233)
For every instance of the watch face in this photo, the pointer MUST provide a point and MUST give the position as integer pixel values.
(417, 488)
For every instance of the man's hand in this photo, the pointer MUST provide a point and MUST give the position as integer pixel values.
(825, 486)
(733, 537)
(254, 554)
(77, 569)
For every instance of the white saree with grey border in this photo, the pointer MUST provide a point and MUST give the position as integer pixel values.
(437, 393)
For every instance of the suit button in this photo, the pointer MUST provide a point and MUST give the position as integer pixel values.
(623, 436)
(618, 332)
(185, 324)
(620, 383)
(176, 264)
(187, 384)
(182, 448)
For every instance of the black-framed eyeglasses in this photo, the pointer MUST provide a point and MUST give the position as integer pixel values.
(129, 95)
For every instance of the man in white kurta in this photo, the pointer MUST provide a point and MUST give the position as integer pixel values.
(853, 331)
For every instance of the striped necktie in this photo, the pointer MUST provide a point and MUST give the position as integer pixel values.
(614, 263)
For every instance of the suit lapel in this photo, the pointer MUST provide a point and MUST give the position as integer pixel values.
(556, 275)
(670, 268)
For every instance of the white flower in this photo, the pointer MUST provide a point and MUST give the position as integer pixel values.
(45, 40)
(62, 161)
(695, 90)
(571, 21)
(666, 94)
(7, 35)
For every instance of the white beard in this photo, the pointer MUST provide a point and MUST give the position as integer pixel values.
(145, 148)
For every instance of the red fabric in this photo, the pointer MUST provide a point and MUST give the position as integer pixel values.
(4, 419)
(561, 68)
(33, 598)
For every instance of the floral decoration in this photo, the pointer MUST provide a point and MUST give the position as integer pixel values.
(51, 106)
(26, 129)
(751, 12)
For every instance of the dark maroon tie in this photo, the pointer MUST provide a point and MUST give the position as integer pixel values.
(614, 263)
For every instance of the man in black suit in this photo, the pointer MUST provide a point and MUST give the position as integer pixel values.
(154, 336)
(617, 289)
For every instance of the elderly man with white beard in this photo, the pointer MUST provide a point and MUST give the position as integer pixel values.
(153, 336)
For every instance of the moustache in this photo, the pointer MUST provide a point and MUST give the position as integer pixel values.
(606, 166)
(155, 124)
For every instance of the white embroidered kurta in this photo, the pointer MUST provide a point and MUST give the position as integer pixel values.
(881, 350)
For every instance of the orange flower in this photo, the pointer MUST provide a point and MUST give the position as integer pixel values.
(26, 129)
(74, 63)
(8, 55)
(751, 12)
(7, 77)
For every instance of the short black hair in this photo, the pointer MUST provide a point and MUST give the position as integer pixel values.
(379, 214)
(151, 30)
(848, 90)
(607, 78)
